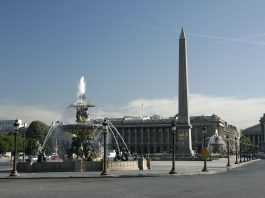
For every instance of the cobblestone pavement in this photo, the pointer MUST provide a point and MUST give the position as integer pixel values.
(159, 168)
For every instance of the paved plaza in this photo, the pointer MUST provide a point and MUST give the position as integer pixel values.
(159, 168)
(245, 180)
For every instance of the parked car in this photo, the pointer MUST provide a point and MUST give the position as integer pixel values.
(56, 157)
(32, 158)
(261, 155)
(136, 156)
(111, 155)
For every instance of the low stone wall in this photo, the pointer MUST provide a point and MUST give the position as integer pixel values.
(32, 167)
(122, 165)
(82, 166)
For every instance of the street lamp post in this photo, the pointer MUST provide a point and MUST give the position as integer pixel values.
(228, 150)
(244, 149)
(252, 152)
(105, 130)
(204, 149)
(173, 130)
(236, 149)
(24, 126)
(240, 150)
(14, 170)
(247, 153)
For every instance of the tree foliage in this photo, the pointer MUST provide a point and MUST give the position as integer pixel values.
(37, 130)
(7, 143)
(35, 135)
(245, 142)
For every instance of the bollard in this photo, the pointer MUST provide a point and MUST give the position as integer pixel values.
(148, 163)
(141, 163)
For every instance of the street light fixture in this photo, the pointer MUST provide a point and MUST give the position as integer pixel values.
(105, 130)
(205, 152)
(14, 171)
(228, 150)
(173, 130)
(236, 149)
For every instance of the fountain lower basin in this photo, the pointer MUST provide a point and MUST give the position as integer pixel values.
(82, 166)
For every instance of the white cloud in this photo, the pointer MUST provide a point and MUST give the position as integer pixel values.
(29, 113)
(239, 112)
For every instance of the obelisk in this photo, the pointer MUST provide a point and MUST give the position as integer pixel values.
(184, 146)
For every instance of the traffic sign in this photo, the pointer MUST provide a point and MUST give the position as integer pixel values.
(205, 153)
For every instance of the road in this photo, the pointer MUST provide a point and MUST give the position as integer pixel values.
(246, 181)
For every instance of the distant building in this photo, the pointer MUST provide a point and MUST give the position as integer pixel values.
(154, 135)
(7, 126)
(256, 133)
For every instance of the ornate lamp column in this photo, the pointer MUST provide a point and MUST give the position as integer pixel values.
(105, 130)
(14, 171)
(204, 149)
(228, 151)
(244, 150)
(240, 150)
(236, 149)
(173, 130)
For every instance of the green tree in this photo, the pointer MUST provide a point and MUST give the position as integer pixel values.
(35, 134)
(245, 142)
(7, 143)
(3, 144)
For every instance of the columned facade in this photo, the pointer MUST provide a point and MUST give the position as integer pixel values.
(155, 138)
(256, 133)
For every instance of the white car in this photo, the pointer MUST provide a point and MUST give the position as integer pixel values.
(111, 155)
(32, 158)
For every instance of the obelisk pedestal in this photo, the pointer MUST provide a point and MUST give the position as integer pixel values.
(184, 146)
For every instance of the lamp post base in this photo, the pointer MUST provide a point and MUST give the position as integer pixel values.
(104, 173)
(204, 166)
(172, 172)
(14, 173)
(204, 169)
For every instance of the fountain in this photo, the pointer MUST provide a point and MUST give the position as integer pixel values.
(216, 145)
(85, 151)
(85, 131)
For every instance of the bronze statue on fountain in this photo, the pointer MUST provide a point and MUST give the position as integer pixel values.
(81, 108)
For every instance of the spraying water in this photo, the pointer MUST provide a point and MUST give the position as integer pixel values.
(81, 87)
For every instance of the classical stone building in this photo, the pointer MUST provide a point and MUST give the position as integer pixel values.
(256, 133)
(7, 126)
(154, 135)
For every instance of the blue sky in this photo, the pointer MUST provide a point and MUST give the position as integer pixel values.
(128, 53)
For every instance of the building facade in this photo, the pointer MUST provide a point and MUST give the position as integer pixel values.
(256, 133)
(7, 126)
(154, 135)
